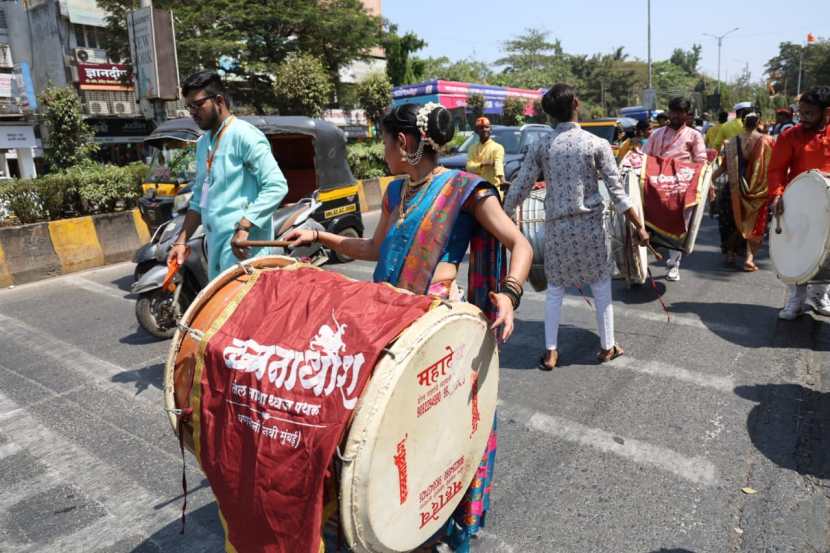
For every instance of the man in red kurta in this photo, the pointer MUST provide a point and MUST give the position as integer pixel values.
(798, 149)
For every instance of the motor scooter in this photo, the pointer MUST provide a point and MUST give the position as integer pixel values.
(157, 309)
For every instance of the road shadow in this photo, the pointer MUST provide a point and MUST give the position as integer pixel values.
(577, 346)
(672, 551)
(140, 337)
(202, 527)
(152, 375)
(124, 284)
(638, 294)
(752, 325)
(790, 426)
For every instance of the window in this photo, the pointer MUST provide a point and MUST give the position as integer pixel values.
(87, 36)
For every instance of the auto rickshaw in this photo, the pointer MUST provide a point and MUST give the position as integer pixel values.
(311, 154)
(613, 129)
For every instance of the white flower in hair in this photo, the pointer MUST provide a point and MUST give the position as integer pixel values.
(423, 123)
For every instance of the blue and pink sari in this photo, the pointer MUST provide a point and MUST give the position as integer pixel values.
(435, 228)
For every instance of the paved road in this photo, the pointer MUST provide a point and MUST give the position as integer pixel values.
(646, 454)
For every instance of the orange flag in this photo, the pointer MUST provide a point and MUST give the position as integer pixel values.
(811, 38)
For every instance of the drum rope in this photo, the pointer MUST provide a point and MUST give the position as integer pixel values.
(184, 466)
(659, 297)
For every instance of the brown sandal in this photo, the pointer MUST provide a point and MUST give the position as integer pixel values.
(750, 267)
(606, 355)
(543, 366)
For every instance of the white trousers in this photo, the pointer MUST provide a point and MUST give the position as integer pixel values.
(604, 307)
(674, 258)
(816, 293)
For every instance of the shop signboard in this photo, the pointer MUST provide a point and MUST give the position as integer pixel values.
(112, 75)
(153, 51)
(17, 136)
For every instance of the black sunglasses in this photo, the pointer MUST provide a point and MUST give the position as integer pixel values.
(197, 104)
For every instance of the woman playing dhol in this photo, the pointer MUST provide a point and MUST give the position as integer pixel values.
(429, 219)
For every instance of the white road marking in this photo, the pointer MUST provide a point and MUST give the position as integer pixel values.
(7, 450)
(697, 470)
(72, 357)
(620, 310)
(97, 287)
(129, 507)
(117, 267)
(654, 368)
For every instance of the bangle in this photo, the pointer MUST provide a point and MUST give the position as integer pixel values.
(180, 243)
(515, 300)
(316, 236)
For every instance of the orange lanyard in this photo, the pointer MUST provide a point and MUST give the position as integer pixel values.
(213, 150)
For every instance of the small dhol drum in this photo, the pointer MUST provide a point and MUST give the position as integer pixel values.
(631, 259)
(418, 430)
(800, 252)
(530, 216)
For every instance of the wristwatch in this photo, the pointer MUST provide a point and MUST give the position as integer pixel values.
(238, 226)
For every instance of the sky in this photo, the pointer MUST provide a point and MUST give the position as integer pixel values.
(466, 28)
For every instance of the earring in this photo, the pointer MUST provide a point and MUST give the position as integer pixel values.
(415, 159)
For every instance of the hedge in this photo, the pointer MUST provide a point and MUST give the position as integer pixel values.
(85, 189)
(366, 160)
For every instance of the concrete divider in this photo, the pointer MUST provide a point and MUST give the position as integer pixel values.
(42, 250)
(371, 191)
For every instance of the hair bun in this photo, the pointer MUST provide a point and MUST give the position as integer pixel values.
(440, 126)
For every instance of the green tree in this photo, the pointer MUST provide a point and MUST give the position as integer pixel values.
(514, 111)
(249, 39)
(70, 139)
(532, 61)
(466, 70)
(475, 105)
(374, 95)
(783, 68)
(401, 68)
(687, 60)
(302, 86)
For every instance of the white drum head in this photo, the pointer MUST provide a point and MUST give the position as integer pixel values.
(799, 252)
(419, 431)
(699, 210)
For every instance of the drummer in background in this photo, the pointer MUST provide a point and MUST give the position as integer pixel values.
(676, 140)
(798, 149)
(577, 241)
(238, 183)
(486, 158)
(450, 209)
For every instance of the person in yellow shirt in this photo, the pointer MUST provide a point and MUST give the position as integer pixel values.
(486, 158)
(712, 133)
(733, 128)
(641, 133)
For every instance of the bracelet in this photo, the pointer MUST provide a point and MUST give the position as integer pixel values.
(316, 236)
(513, 285)
(180, 243)
(515, 300)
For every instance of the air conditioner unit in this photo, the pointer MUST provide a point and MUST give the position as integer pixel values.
(123, 108)
(91, 55)
(98, 108)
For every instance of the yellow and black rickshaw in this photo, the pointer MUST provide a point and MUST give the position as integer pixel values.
(310, 152)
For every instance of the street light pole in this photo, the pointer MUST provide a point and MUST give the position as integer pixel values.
(800, 66)
(720, 44)
(650, 74)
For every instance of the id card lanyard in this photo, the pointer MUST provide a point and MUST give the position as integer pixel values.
(208, 184)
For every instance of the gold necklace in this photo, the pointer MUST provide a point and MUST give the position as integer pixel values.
(404, 212)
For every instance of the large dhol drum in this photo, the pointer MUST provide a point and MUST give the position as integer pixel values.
(800, 253)
(418, 430)
(631, 259)
(530, 216)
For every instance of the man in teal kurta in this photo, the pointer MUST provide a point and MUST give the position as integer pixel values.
(238, 183)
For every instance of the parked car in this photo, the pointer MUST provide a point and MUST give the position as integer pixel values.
(516, 142)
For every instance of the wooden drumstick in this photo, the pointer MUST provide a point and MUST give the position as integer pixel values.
(778, 229)
(259, 243)
(654, 252)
